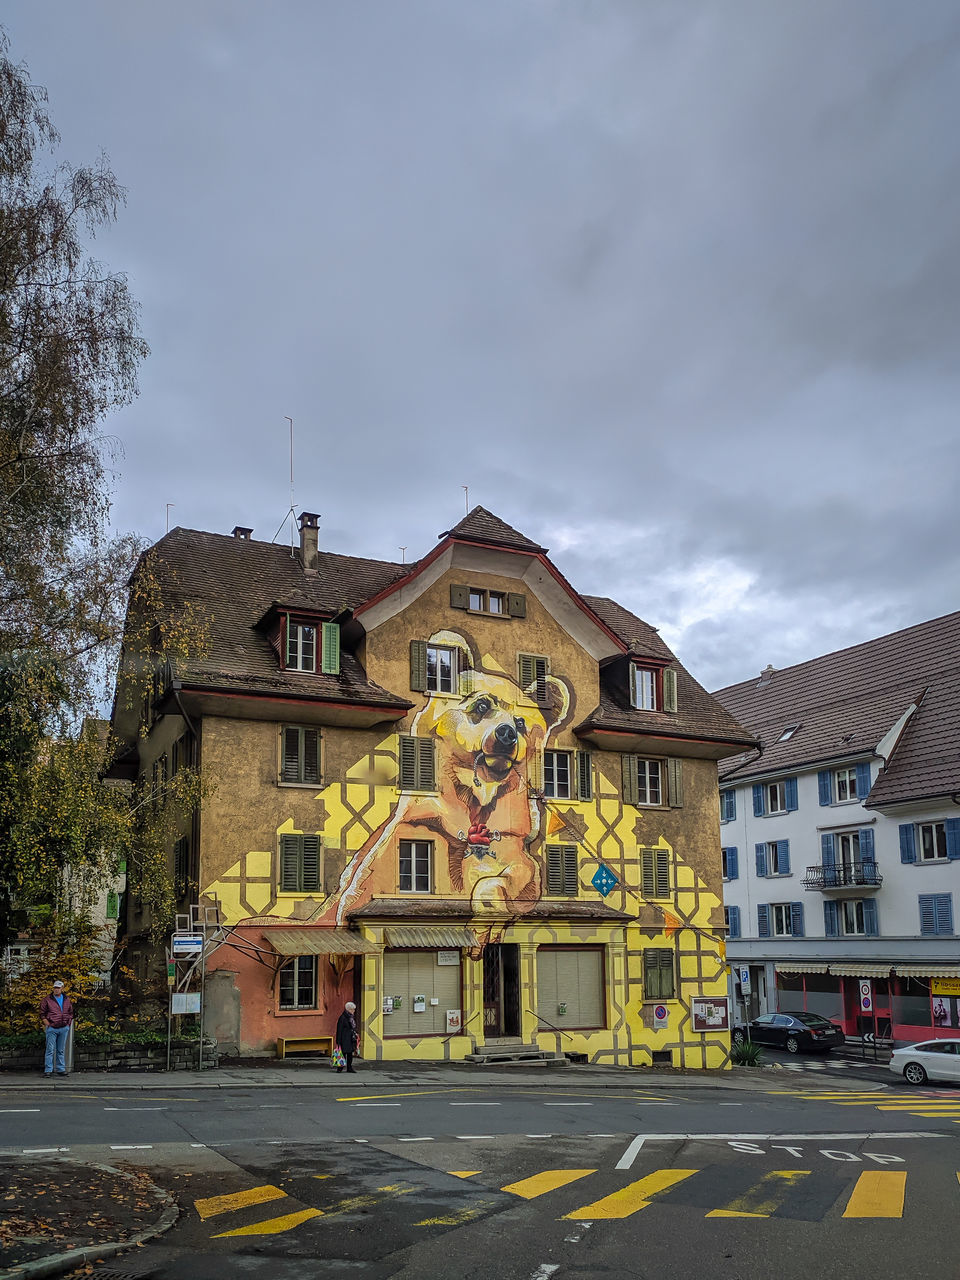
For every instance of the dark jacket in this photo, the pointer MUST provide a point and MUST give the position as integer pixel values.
(346, 1036)
(54, 1014)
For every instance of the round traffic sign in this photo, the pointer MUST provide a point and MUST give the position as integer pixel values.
(660, 1012)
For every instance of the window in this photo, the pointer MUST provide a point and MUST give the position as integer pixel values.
(936, 913)
(855, 917)
(728, 806)
(774, 797)
(416, 866)
(648, 782)
(511, 604)
(441, 669)
(846, 783)
(652, 781)
(181, 867)
(298, 983)
(655, 873)
(181, 754)
(533, 669)
(570, 989)
(299, 864)
(417, 764)
(562, 873)
(409, 973)
(556, 774)
(301, 646)
(933, 841)
(780, 919)
(299, 755)
(643, 688)
(730, 863)
(773, 858)
(851, 917)
(482, 601)
(731, 918)
(788, 733)
(658, 977)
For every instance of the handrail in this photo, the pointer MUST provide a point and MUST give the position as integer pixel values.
(559, 1030)
(842, 875)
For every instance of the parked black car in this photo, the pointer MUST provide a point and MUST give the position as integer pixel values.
(792, 1031)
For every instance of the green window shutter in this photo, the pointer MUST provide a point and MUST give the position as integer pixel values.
(675, 782)
(533, 671)
(290, 755)
(526, 670)
(418, 666)
(311, 755)
(290, 643)
(407, 780)
(669, 689)
(113, 905)
(459, 597)
(662, 874)
(554, 869)
(290, 864)
(426, 765)
(584, 775)
(571, 880)
(631, 789)
(330, 659)
(646, 873)
(516, 605)
(310, 863)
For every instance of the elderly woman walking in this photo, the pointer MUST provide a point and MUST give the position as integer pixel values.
(347, 1037)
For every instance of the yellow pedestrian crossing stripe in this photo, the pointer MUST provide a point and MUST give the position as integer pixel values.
(549, 1180)
(877, 1195)
(763, 1199)
(927, 1106)
(632, 1198)
(213, 1205)
(272, 1226)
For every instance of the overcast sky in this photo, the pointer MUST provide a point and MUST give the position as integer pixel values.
(673, 287)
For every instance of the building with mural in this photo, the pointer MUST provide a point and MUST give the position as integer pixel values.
(479, 804)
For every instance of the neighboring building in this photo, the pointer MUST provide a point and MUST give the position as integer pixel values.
(479, 804)
(841, 836)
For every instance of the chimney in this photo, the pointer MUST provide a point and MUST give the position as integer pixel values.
(243, 534)
(766, 675)
(308, 521)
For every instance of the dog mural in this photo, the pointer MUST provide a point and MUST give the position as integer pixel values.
(483, 816)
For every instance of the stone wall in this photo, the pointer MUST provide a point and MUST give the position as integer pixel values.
(119, 1057)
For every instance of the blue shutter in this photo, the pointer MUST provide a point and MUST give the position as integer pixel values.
(928, 919)
(733, 922)
(828, 852)
(943, 912)
(733, 864)
(831, 919)
(796, 919)
(783, 857)
(870, 927)
(866, 845)
(825, 786)
(758, 805)
(908, 842)
(761, 852)
(790, 791)
(863, 779)
(730, 806)
(953, 837)
(763, 919)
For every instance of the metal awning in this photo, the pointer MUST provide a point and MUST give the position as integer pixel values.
(452, 937)
(927, 970)
(319, 942)
(801, 968)
(861, 970)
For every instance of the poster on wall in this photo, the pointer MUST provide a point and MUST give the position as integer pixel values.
(710, 1013)
(448, 957)
(453, 1019)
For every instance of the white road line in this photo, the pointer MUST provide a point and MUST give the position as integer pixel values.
(474, 1104)
(363, 1140)
(782, 1137)
(136, 1146)
(376, 1104)
(11, 1111)
(729, 1104)
(414, 1139)
(42, 1151)
(489, 1137)
(631, 1153)
(668, 1104)
(538, 1135)
(198, 1144)
(603, 1135)
(134, 1108)
(573, 1104)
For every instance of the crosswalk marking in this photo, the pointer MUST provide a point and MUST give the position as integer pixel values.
(635, 1196)
(763, 1199)
(212, 1205)
(549, 1180)
(877, 1195)
(272, 1226)
(464, 1173)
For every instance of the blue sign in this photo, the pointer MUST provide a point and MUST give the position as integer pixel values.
(604, 880)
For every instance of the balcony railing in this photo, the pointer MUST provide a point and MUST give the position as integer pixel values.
(843, 876)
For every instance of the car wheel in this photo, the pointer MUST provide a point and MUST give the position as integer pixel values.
(793, 1044)
(913, 1073)
(739, 1036)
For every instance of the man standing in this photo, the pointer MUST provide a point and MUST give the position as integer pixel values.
(56, 1014)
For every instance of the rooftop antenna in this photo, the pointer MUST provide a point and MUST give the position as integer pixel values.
(292, 511)
(466, 499)
(169, 505)
(403, 554)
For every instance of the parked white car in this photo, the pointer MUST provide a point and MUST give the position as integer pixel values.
(928, 1060)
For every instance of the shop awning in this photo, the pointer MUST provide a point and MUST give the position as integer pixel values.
(927, 970)
(861, 970)
(319, 942)
(801, 968)
(450, 937)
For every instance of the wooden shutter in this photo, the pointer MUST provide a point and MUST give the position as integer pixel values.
(943, 912)
(290, 864)
(733, 922)
(675, 782)
(796, 919)
(290, 754)
(790, 793)
(533, 670)
(646, 872)
(655, 873)
(763, 919)
(407, 780)
(783, 857)
(831, 919)
(426, 772)
(631, 787)
(418, 666)
(669, 689)
(310, 862)
(908, 842)
(761, 852)
(866, 845)
(733, 863)
(828, 852)
(870, 924)
(825, 787)
(952, 832)
(330, 649)
(516, 605)
(311, 755)
(584, 775)
(571, 880)
(459, 597)
(863, 779)
(759, 800)
(554, 868)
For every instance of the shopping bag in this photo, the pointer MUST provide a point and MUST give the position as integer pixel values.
(338, 1060)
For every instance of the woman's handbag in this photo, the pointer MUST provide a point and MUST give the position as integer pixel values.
(338, 1060)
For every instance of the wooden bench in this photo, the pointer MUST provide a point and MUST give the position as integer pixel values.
(320, 1044)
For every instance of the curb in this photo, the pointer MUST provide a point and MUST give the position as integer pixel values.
(59, 1263)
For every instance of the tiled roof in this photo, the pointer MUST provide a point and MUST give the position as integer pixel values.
(639, 637)
(846, 701)
(481, 525)
(461, 909)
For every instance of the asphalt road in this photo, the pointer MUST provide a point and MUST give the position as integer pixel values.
(546, 1183)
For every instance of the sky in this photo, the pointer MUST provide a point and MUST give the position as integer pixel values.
(673, 288)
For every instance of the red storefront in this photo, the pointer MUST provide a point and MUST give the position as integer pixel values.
(911, 1002)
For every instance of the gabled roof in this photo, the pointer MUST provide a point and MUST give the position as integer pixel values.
(846, 701)
(481, 525)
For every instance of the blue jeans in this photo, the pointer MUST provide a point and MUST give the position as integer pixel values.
(56, 1040)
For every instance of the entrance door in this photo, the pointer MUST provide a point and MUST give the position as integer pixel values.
(501, 990)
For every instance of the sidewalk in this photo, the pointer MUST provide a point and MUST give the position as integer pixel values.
(58, 1214)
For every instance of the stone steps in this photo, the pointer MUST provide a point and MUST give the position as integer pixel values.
(507, 1054)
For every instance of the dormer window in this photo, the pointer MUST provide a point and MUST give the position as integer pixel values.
(306, 644)
(643, 689)
(301, 646)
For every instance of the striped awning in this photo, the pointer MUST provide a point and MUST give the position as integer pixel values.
(319, 942)
(928, 970)
(449, 937)
(801, 968)
(861, 970)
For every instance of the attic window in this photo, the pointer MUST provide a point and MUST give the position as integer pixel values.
(788, 732)
(306, 640)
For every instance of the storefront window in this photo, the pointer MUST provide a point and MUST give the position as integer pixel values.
(419, 988)
(911, 1006)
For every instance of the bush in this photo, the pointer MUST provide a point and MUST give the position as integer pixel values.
(746, 1054)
